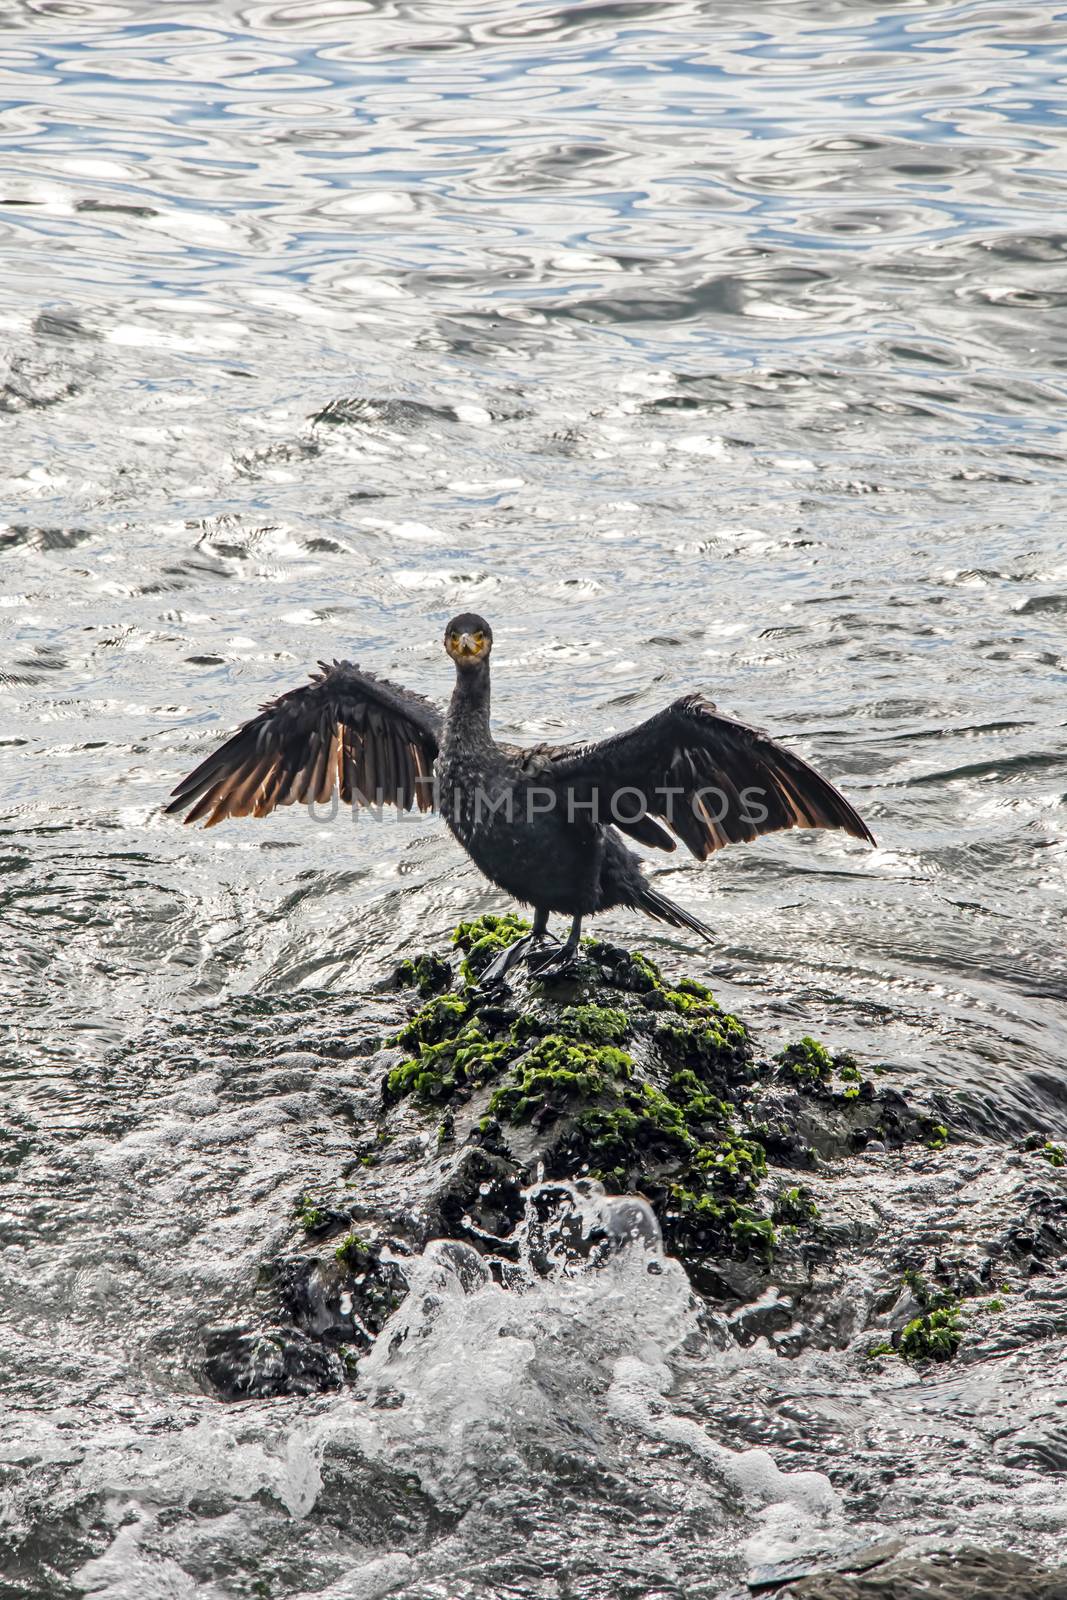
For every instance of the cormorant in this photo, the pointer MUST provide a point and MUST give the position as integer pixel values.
(544, 823)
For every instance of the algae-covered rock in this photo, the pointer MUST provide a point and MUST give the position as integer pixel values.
(429, 974)
(618, 1075)
(483, 939)
(476, 1102)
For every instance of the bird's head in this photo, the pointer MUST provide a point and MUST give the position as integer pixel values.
(468, 639)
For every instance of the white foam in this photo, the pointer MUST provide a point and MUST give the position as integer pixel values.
(465, 1378)
(459, 1354)
(125, 1572)
(369, 1581)
(635, 1398)
(215, 1455)
(463, 1352)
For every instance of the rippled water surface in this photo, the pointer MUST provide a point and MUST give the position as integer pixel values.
(697, 345)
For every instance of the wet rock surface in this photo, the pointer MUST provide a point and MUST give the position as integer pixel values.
(888, 1573)
(772, 1177)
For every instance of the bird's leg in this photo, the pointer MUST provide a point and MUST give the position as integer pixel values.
(521, 950)
(561, 963)
(539, 930)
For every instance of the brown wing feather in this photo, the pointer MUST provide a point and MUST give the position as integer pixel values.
(345, 730)
(711, 780)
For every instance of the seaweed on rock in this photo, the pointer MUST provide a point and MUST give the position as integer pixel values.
(480, 1104)
(935, 1331)
(618, 1075)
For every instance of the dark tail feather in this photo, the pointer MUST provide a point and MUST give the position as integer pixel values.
(664, 910)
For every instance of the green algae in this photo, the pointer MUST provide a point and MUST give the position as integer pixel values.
(600, 1024)
(685, 1003)
(711, 1207)
(1039, 1144)
(936, 1135)
(806, 1062)
(689, 1091)
(713, 1047)
(468, 1058)
(849, 1074)
(698, 991)
(593, 1023)
(735, 1165)
(808, 1065)
(691, 1030)
(752, 1234)
(934, 1336)
(451, 1049)
(440, 1019)
(920, 1286)
(368, 1151)
(428, 973)
(554, 1075)
(642, 1129)
(454, 1047)
(354, 1253)
(701, 1225)
(310, 1215)
(795, 1208)
(378, 1287)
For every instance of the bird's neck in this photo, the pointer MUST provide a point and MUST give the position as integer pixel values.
(468, 713)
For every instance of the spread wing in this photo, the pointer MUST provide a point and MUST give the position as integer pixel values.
(346, 729)
(705, 777)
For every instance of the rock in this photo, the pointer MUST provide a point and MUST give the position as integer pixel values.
(345, 1299)
(966, 1574)
(623, 1081)
(241, 1363)
(616, 1075)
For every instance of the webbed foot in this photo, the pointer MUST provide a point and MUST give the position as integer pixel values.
(496, 972)
(563, 964)
(501, 964)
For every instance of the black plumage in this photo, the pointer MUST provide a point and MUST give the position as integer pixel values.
(345, 730)
(544, 823)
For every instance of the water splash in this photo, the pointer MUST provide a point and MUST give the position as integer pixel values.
(578, 1336)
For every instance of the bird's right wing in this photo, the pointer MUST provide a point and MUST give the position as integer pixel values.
(345, 730)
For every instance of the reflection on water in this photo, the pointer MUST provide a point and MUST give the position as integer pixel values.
(720, 352)
(700, 345)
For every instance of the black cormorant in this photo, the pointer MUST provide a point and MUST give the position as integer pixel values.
(544, 823)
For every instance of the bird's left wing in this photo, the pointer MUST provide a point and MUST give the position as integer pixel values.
(346, 729)
(711, 780)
